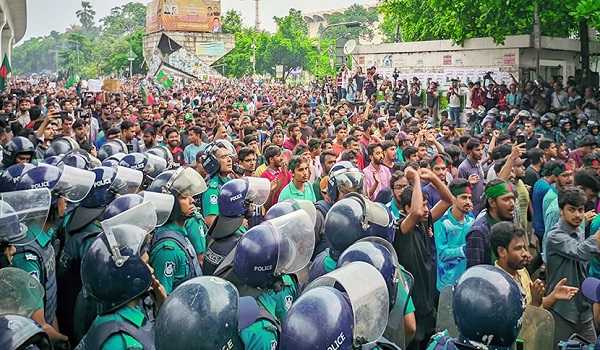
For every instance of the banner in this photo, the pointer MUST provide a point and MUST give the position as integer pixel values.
(190, 64)
(190, 15)
(216, 48)
(153, 16)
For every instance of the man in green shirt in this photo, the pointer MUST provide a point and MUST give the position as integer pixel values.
(299, 187)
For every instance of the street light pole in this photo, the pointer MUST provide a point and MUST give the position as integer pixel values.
(352, 24)
(131, 58)
(253, 57)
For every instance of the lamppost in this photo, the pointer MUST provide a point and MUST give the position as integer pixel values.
(352, 24)
(131, 56)
(253, 57)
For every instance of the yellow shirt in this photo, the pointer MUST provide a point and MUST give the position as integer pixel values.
(524, 282)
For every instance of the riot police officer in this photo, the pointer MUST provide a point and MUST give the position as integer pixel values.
(344, 177)
(344, 309)
(172, 256)
(66, 184)
(217, 161)
(204, 313)
(116, 274)
(265, 259)
(350, 219)
(493, 318)
(17, 151)
(20, 332)
(235, 201)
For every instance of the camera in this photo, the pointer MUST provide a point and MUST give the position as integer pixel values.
(488, 75)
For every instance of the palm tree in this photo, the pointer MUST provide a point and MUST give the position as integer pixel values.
(86, 14)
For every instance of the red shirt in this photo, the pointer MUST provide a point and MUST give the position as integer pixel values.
(270, 175)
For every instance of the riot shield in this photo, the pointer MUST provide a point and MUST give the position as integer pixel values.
(445, 314)
(538, 329)
(394, 330)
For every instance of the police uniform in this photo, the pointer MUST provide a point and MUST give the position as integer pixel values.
(37, 259)
(263, 334)
(124, 340)
(172, 256)
(210, 198)
(196, 232)
(285, 297)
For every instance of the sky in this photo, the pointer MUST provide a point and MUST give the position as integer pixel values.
(43, 16)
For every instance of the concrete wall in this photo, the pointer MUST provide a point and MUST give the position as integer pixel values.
(13, 23)
(188, 40)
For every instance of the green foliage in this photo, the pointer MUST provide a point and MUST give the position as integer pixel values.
(353, 13)
(103, 50)
(86, 15)
(460, 20)
(232, 22)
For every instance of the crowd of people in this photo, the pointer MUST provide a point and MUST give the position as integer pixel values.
(251, 214)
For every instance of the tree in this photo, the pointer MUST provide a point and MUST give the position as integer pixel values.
(355, 13)
(124, 19)
(86, 15)
(232, 22)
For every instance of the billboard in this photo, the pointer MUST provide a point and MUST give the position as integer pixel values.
(184, 15)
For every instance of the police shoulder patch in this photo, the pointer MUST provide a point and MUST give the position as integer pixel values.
(169, 268)
(35, 274)
(213, 199)
(273, 344)
(288, 302)
(31, 257)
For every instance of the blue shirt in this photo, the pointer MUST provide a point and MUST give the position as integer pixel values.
(540, 188)
(190, 152)
(394, 209)
(478, 248)
(451, 243)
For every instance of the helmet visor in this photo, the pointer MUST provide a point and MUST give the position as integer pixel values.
(349, 180)
(376, 213)
(229, 147)
(127, 180)
(163, 205)
(129, 229)
(29, 207)
(74, 184)
(155, 166)
(258, 190)
(295, 232)
(20, 293)
(305, 205)
(187, 182)
(367, 293)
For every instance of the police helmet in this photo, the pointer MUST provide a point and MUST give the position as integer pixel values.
(14, 147)
(136, 161)
(112, 270)
(77, 158)
(344, 177)
(236, 195)
(164, 153)
(210, 162)
(380, 254)
(524, 114)
(355, 217)
(320, 319)
(101, 194)
(206, 303)
(110, 148)
(20, 292)
(122, 204)
(63, 181)
(513, 112)
(10, 177)
(593, 124)
(478, 295)
(291, 205)
(563, 122)
(21, 332)
(52, 160)
(13, 231)
(59, 146)
(183, 181)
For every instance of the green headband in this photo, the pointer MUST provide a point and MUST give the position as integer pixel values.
(498, 190)
(560, 169)
(461, 190)
(437, 160)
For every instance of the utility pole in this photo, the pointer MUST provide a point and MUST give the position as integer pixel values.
(253, 57)
(257, 15)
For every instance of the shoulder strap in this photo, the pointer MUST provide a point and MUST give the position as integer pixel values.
(169, 235)
(263, 314)
(105, 330)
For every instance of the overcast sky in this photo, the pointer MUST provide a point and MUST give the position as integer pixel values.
(44, 16)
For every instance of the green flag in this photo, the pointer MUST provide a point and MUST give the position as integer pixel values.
(164, 79)
(72, 80)
(4, 71)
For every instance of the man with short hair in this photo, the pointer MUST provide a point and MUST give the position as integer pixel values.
(276, 173)
(294, 137)
(128, 136)
(450, 235)
(389, 154)
(196, 145)
(377, 176)
(471, 170)
(80, 131)
(536, 161)
(247, 160)
(148, 139)
(326, 159)
(172, 136)
(568, 253)
(588, 145)
(447, 138)
(500, 201)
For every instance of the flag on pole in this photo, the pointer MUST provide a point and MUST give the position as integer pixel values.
(4, 72)
(72, 80)
(163, 79)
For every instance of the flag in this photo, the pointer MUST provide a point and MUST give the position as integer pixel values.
(163, 79)
(4, 72)
(72, 80)
(148, 100)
